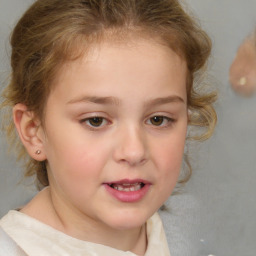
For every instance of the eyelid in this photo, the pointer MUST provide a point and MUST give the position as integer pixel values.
(170, 120)
(88, 115)
(106, 121)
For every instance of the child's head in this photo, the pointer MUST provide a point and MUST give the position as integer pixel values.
(53, 33)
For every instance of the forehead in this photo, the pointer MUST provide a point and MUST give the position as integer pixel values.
(111, 64)
(131, 49)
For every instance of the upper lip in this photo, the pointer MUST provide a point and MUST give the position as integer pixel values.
(128, 181)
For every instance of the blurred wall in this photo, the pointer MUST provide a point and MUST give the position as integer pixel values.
(13, 193)
(225, 182)
(216, 213)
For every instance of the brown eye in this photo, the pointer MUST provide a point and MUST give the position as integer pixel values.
(160, 121)
(95, 121)
(157, 120)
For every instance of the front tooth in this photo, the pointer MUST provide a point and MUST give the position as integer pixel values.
(132, 188)
(119, 188)
(128, 187)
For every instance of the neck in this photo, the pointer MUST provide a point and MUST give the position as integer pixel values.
(73, 223)
(133, 240)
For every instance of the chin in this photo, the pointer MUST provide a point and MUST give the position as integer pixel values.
(129, 219)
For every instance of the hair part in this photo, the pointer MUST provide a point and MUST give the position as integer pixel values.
(52, 32)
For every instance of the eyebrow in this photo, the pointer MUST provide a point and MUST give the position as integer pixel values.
(97, 100)
(115, 101)
(165, 100)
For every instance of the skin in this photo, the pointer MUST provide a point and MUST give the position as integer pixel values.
(242, 73)
(127, 85)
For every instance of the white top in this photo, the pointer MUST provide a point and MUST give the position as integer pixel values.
(37, 238)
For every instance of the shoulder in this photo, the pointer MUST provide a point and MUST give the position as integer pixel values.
(11, 220)
(20, 233)
(8, 247)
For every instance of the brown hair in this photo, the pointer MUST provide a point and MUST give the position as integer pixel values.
(51, 31)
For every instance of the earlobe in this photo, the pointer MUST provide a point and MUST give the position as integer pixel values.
(29, 130)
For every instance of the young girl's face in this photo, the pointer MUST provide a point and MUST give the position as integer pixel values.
(115, 128)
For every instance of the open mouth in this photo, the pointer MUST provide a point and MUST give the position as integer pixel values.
(127, 190)
(127, 187)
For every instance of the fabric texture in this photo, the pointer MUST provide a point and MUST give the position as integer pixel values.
(8, 247)
(37, 238)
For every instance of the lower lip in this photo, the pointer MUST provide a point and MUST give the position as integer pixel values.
(128, 196)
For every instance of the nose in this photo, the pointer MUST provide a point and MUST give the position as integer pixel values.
(131, 147)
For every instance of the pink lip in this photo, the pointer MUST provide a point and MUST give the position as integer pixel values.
(128, 196)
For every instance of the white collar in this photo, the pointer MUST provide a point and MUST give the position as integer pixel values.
(37, 238)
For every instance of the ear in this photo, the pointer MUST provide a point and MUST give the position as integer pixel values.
(30, 131)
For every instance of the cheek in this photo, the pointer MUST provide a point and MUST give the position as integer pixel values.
(170, 166)
(74, 170)
(78, 162)
(168, 157)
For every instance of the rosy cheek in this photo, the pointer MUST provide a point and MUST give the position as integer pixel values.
(84, 161)
(171, 152)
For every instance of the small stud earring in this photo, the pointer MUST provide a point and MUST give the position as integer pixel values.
(242, 81)
(38, 152)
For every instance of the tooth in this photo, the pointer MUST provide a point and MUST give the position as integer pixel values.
(128, 187)
(119, 188)
(139, 186)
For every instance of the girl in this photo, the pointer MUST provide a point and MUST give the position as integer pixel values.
(101, 94)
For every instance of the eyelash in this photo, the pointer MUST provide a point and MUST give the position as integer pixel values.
(165, 122)
(88, 121)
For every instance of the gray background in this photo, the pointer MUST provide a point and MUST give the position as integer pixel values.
(216, 213)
